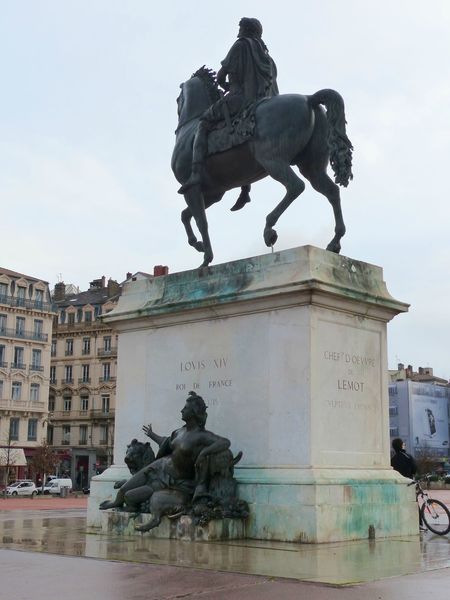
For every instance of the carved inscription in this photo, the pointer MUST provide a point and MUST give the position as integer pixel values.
(353, 367)
(214, 375)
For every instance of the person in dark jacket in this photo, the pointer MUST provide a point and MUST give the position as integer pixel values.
(402, 462)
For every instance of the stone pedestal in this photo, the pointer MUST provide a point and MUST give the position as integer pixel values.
(181, 528)
(289, 352)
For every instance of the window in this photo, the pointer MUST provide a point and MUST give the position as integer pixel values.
(14, 429)
(86, 345)
(38, 328)
(68, 371)
(20, 326)
(97, 311)
(66, 434)
(83, 434)
(18, 358)
(69, 347)
(107, 343)
(84, 403)
(106, 371)
(1, 389)
(51, 404)
(103, 435)
(21, 291)
(85, 373)
(63, 317)
(53, 375)
(393, 431)
(105, 403)
(16, 390)
(88, 316)
(50, 434)
(71, 318)
(38, 298)
(2, 356)
(67, 403)
(3, 323)
(34, 392)
(393, 411)
(32, 430)
(53, 347)
(79, 315)
(3, 292)
(36, 358)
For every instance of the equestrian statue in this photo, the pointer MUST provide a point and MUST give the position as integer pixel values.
(234, 128)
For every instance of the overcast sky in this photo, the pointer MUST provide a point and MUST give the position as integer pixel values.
(87, 121)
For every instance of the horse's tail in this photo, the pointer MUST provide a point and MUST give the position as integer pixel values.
(339, 144)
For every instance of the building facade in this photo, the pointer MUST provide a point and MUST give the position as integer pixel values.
(419, 405)
(26, 316)
(83, 380)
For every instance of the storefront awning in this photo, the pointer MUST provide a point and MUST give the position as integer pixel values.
(15, 457)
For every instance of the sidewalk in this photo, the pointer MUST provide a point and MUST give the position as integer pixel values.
(47, 536)
(46, 502)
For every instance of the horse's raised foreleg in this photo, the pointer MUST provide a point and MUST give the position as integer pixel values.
(282, 172)
(194, 200)
(326, 186)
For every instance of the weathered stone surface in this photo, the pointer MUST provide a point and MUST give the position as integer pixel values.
(289, 349)
(181, 528)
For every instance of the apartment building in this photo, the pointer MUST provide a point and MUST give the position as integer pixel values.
(26, 316)
(419, 411)
(83, 380)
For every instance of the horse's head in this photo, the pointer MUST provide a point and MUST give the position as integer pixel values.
(197, 94)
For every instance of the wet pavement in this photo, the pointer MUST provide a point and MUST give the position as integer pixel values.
(55, 541)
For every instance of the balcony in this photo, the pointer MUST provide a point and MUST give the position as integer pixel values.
(18, 365)
(109, 352)
(84, 380)
(107, 379)
(23, 303)
(86, 351)
(23, 335)
(82, 442)
(53, 381)
(3, 364)
(36, 368)
(82, 414)
(67, 381)
(65, 442)
(68, 353)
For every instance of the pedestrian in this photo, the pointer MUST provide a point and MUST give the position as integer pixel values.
(401, 461)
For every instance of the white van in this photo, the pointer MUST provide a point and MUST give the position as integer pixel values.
(55, 486)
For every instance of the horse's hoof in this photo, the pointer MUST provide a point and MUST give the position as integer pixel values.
(199, 246)
(270, 237)
(334, 247)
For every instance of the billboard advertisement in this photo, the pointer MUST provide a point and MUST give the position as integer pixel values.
(430, 417)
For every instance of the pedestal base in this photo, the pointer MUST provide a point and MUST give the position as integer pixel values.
(328, 506)
(181, 528)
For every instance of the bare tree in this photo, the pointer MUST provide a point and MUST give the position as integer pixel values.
(8, 458)
(44, 461)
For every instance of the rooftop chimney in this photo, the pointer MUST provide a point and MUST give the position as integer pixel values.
(59, 293)
(113, 288)
(129, 275)
(400, 366)
(159, 270)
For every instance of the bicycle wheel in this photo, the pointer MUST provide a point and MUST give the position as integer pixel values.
(436, 516)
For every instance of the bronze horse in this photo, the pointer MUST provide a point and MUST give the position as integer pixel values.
(291, 129)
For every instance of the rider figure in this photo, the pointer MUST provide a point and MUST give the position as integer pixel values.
(248, 73)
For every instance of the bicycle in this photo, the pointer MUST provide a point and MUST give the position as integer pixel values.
(432, 512)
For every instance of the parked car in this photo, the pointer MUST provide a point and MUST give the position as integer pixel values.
(57, 485)
(22, 488)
